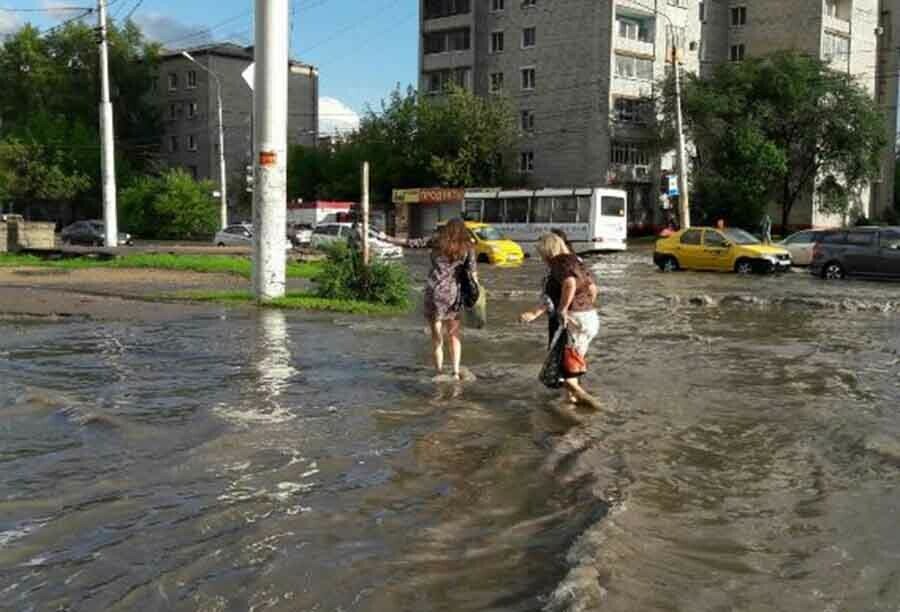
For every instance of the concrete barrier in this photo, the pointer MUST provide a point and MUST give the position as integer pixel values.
(17, 234)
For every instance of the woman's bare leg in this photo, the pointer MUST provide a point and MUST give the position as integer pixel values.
(455, 345)
(578, 395)
(437, 345)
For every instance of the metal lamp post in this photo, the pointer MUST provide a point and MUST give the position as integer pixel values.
(222, 176)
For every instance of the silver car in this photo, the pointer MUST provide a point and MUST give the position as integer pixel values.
(234, 235)
(800, 246)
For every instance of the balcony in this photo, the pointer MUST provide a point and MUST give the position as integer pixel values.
(617, 174)
(635, 47)
(837, 25)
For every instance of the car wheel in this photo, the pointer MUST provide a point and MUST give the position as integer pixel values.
(483, 259)
(669, 264)
(833, 271)
(744, 266)
(221, 244)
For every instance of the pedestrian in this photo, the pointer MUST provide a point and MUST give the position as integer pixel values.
(766, 228)
(452, 254)
(720, 224)
(570, 292)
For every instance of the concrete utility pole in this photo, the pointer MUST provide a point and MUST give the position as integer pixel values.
(108, 152)
(270, 149)
(683, 198)
(365, 212)
(223, 194)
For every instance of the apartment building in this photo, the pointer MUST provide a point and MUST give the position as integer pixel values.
(580, 72)
(186, 94)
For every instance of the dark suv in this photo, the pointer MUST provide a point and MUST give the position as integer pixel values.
(862, 251)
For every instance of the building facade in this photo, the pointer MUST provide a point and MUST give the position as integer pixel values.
(888, 97)
(187, 99)
(580, 73)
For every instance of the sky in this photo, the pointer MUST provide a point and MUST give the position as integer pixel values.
(362, 48)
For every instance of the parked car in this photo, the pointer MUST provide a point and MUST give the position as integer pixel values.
(328, 233)
(234, 235)
(299, 233)
(492, 247)
(868, 251)
(90, 233)
(800, 246)
(707, 248)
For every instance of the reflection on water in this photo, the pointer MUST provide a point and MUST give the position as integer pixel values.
(747, 458)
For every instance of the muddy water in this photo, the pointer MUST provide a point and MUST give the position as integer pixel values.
(748, 457)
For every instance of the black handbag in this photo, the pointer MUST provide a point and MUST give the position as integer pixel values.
(469, 291)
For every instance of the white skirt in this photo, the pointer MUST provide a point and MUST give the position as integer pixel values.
(583, 327)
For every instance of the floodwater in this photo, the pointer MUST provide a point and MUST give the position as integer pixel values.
(748, 457)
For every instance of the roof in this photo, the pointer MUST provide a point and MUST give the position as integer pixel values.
(223, 49)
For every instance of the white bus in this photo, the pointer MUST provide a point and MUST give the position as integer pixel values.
(594, 219)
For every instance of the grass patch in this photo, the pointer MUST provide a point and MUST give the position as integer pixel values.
(293, 301)
(209, 264)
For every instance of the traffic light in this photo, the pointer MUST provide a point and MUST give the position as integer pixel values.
(248, 179)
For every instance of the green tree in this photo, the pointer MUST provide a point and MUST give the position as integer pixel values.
(773, 128)
(171, 206)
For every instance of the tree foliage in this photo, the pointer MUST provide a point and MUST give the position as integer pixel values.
(775, 128)
(459, 140)
(171, 206)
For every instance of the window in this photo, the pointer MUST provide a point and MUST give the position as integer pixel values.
(192, 110)
(861, 238)
(834, 237)
(448, 40)
(496, 82)
(838, 9)
(801, 238)
(584, 208)
(192, 143)
(517, 210)
(173, 144)
(173, 111)
(630, 154)
(615, 207)
(634, 29)
(738, 16)
(631, 110)
(529, 37)
(526, 120)
(691, 237)
(529, 3)
(497, 5)
(173, 81)
(541, 210)
(526, 162)
(435, 9)
(565, 210)
(678, 3)
(702, 7)
(528, 78)
(714, 239)
(497, 42)
(737, 53)
(191, 79)
(631, 67)
(890, 239)
(835, 48)
(493, 211)
(439, 80)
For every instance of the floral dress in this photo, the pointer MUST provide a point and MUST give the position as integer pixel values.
(442, 299)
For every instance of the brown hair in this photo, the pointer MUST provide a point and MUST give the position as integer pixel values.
(453, 240)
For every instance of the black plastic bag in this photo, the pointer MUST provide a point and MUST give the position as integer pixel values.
(552, 373)
(469, 290)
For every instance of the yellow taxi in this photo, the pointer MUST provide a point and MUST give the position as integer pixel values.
(728, 250)
(491, 247)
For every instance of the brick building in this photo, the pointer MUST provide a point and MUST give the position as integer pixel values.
(579, 72)
(186, 96)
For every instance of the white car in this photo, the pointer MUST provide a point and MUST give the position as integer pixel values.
(801, 245)
(239, 235)
(299, 234)
(328, 233)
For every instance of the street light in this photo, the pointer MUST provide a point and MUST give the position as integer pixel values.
(222, 176)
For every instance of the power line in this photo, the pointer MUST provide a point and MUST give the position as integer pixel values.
(46, 10)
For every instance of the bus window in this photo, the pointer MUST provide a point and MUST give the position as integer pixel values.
(540, 210)
(492, 211)
(612, 207)
(472, 210)
(517, 210)
(584, 209)
(565, 210)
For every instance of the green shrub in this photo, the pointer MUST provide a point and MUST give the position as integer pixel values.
(345, 277)
(171, 206)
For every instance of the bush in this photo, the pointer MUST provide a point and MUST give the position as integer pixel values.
(345, 277)
(171, 206)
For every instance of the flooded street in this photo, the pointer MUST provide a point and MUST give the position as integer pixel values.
(748, 457)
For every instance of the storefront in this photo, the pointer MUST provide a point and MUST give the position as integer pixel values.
(419, 211)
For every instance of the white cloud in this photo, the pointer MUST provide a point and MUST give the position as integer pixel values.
(165, 29)
(55, 12)
(336, 117)
(9, 24)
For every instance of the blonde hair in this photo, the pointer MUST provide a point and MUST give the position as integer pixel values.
(550, 246)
